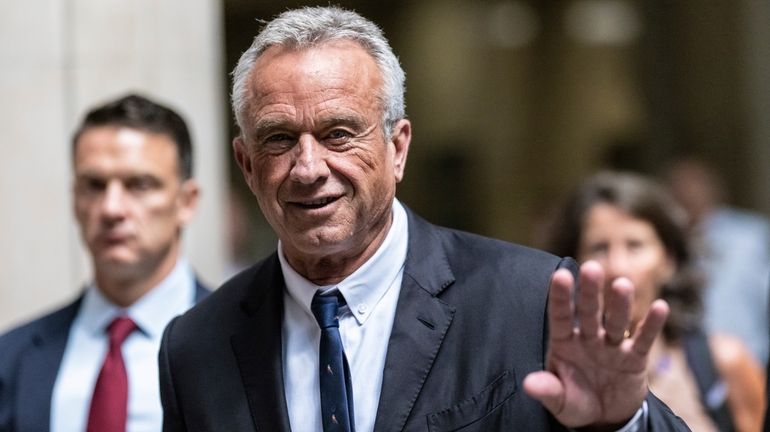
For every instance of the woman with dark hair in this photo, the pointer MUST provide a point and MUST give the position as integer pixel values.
(634, 229)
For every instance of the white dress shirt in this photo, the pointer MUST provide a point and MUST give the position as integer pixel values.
(87, 345)
(371, 294)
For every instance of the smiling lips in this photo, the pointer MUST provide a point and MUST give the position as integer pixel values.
(317, 203)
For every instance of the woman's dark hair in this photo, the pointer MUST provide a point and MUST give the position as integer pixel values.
(643, 199)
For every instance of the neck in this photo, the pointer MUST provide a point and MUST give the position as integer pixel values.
(332, 268)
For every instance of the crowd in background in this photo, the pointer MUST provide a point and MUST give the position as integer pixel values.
(706, 366)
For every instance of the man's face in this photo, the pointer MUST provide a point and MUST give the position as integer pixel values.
(130, 200)
(314, 153)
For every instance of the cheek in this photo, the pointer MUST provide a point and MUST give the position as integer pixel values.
(663, 276)
(370, 160)
(372, 173)
(161, 212)
(268, 174)
(649, 282)
(86, 216)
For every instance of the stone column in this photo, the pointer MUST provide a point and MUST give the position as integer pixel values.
(59, 58)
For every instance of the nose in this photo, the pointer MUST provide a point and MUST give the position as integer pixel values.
(113, 204)
(309, 164)
(617, 263)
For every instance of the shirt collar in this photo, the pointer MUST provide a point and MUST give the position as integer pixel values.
(365, 287)
(151, 312)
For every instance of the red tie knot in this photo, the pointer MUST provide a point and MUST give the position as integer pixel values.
(119, 329)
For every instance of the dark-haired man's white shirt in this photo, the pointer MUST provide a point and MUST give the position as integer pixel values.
(87, 346)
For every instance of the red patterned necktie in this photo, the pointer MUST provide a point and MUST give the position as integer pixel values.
(109, 404)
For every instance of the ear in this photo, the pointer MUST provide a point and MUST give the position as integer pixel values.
(189, 195)
(242, 156)
(401, 137)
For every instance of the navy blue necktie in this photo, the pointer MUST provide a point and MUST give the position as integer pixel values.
(336, 388)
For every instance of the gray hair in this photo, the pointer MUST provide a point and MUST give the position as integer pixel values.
(313, 26)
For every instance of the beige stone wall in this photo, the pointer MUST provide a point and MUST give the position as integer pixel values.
(58, 58)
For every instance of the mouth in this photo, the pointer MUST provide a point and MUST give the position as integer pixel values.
(113, 239)
(314, 204)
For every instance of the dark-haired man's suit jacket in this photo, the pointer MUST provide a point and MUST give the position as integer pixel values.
(30, 356)
(469, 326)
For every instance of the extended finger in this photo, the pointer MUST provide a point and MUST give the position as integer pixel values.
(560, 316)
(618, 312)
(650, 327)
(589, 300)
(547, 389)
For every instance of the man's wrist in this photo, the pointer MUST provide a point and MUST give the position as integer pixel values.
(637, 423)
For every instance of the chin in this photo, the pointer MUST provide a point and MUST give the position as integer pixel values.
(323, 242)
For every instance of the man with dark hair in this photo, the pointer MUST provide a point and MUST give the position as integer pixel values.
(92, 364)
(137, 112)
(367, 317)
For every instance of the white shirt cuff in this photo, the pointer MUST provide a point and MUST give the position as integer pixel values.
(638, 422)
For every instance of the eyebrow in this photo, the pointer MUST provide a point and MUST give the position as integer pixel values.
(270, 124)
(96, 175)
(266, 125)
(350, 119)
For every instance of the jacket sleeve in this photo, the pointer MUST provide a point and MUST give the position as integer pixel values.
(661, 418)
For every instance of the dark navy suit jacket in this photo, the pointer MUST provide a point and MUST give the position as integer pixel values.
(29, 362)
(470, 325)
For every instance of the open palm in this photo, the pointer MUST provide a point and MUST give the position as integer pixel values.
(594, 376)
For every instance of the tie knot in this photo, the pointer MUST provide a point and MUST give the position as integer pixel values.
(325, 308)
(119, 329)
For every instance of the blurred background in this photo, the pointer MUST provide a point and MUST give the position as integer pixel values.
(512, 102)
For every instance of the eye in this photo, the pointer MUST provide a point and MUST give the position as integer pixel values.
(635, 245)
(95, 184)
(142, 184)
(277, 143)
(277, 138)
(91, 185)
(596, 250)
(339, 133)
(338, 136)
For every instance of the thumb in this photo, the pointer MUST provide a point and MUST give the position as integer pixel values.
(547, 389)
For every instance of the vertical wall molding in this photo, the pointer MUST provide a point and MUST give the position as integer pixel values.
(57, 59)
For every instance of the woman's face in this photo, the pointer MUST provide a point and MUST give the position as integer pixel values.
(629, 247)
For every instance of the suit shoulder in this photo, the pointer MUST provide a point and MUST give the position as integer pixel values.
(218, 306)
(476, 259)
(481, 250)
(42, 323)
(18, 338)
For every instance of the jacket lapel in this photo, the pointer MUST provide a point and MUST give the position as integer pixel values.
(420, 324)
(258, 348)
(39, 367)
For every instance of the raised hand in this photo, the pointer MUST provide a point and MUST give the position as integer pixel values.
(594, 375)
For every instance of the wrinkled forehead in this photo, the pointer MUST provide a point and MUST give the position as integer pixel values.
(343, 67)
(335, 57)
